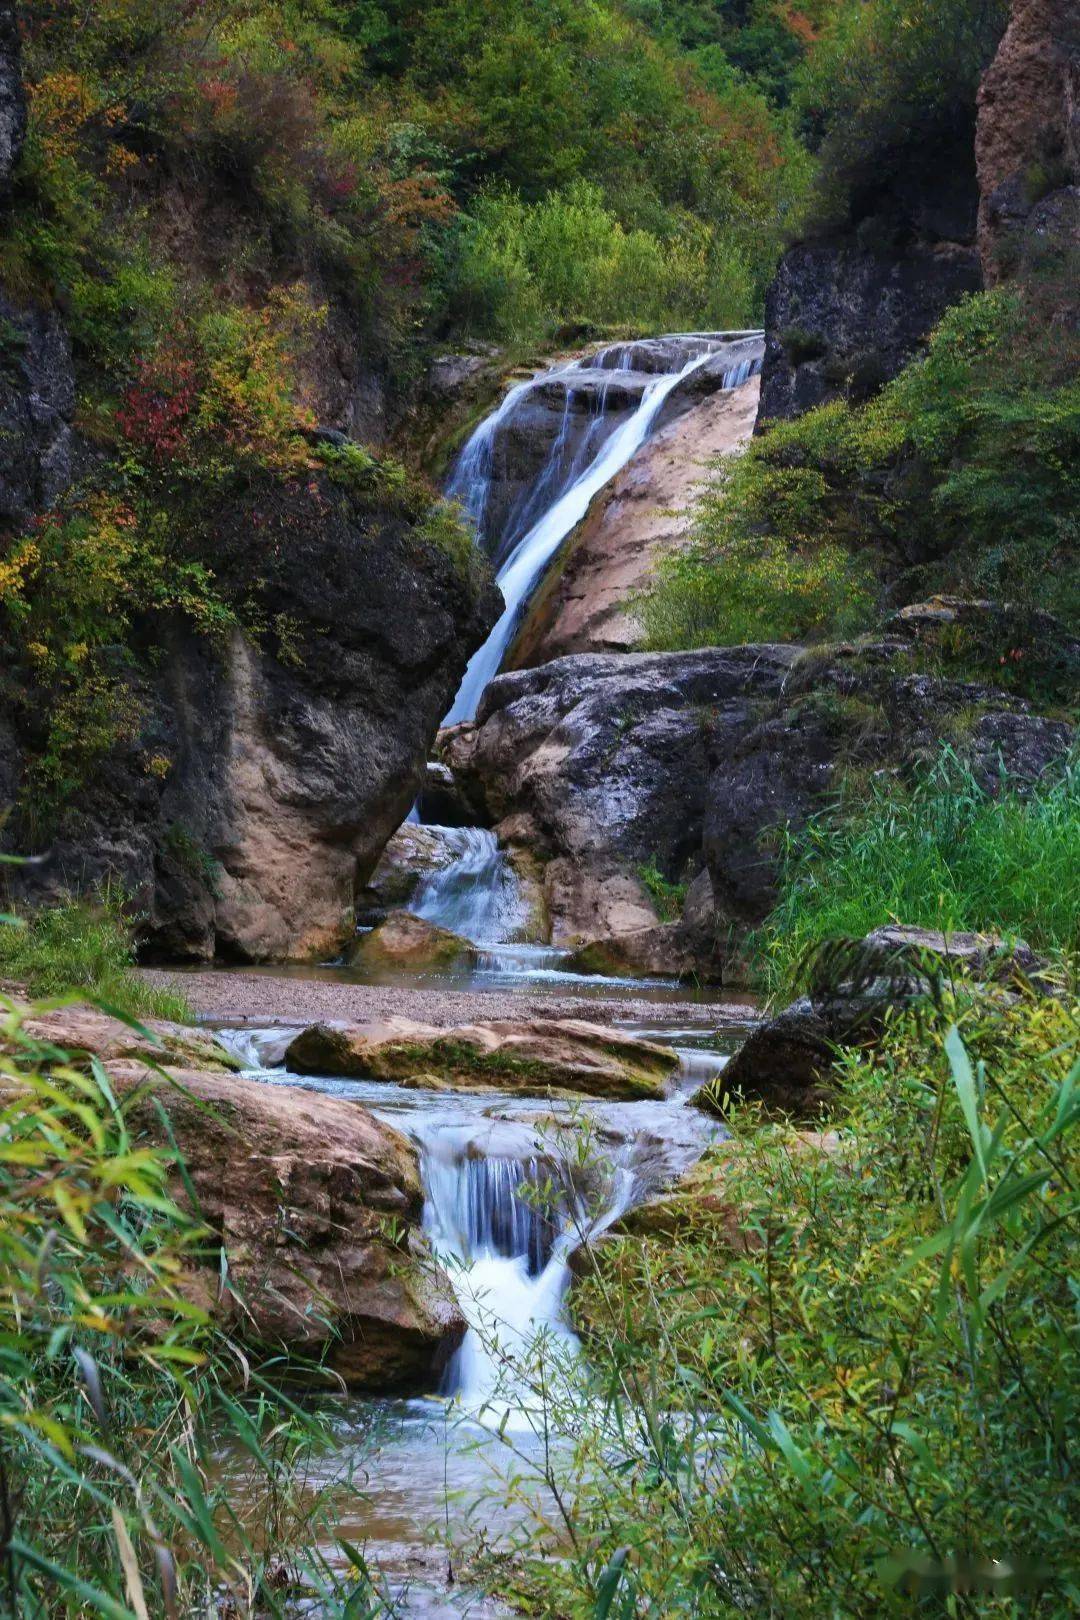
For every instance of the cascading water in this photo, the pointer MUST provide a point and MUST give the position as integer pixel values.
(573, 473)
(476, 894)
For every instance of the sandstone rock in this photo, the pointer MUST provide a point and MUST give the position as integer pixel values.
(280, 771)
(83, 1031)
(1028, 131)
(407, 941)
(661, 949)
(584, 602)
(306, 1195)
(786, 1060)
(533, 1057)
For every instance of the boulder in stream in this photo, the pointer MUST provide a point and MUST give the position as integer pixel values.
(403, 940)
(787, 1059)
(533, 1057)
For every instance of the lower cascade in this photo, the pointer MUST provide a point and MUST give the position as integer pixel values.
(476, 894)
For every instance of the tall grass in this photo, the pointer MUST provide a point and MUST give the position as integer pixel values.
(83, 945)
(944, 853)
(117, 1391)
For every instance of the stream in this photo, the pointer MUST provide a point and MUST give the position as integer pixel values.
(425, 1467)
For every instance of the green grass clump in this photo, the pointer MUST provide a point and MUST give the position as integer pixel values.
(83, 945)
(943, 853)
(668, 897)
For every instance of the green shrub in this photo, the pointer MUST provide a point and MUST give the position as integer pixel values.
(842, 1382)
(668, 897)
(117, 1392)
(960, 476)
(84, 946)
(943, 854)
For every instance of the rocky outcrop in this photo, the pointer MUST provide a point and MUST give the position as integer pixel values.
(842, 319)
(12, 100)
(585, 602)
(317, 1207)
(403, 940)
(262, 781)
(535, 1057)
(599, 765)
(680, 768)
(37, 403)
(786, 1060)
(857, 705)
(1028, 139)
(313, 1203)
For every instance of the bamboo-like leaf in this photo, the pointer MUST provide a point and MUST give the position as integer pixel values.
(130, 1565)
(964, 1081)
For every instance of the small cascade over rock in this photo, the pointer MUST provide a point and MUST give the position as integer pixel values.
(476, 894)
(529, 472)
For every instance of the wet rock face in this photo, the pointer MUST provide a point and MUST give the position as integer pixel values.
(288, 767)
(1028, 139)
(12, 100)
(599, 763)
(842, 319)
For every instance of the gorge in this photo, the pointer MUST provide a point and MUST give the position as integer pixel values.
(539, 803)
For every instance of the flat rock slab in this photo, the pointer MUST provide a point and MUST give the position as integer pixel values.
(533, 1057)
(83, 1031)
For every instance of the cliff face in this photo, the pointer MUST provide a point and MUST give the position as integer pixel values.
(1027, 143)
(250, 780)
(845, 314)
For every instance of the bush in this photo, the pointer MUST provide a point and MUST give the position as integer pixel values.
(84, 946)
(942, 854)
(842, 1383)
(117, 1393)
(961, 476)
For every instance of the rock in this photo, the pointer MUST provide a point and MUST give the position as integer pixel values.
(37, 403)
(441, 803)
(773, 765)
(262, 782)
(317, 1206)
(12, 99)
(403, 940)
(411, 853)
(584, 604)
(533, 1057)
(786, 1061)
(659, 949)
(1027, 142)
(842, 319)
(83, 1031)
(1001, 633)
(598, 763)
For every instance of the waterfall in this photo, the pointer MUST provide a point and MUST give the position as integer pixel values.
(572, 474)
(476, 895)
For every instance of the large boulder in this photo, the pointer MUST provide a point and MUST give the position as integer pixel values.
(786, 1061)
(599, 764)
(403, 940)
(82, 1031)
(261, 781)
(533, 1057)
(317, 1208)
(1027, 142)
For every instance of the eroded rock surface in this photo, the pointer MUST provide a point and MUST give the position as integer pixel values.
(407, 941)
(1027, 141)
(12, 100)
(585, 604)
(533, 1057)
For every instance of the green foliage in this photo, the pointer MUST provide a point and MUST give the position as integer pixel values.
(668, 898)
(942, 853)
(890, 81)
(84, 946)
(117, 1393)
(517, 270)
(967, 462)
(841, 1379)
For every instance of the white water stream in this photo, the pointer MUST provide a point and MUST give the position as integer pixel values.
(561, 495)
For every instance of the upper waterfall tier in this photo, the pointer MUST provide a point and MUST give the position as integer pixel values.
(527, 475)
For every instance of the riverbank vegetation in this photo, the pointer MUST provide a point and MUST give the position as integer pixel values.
(118, 1396)
(841, 1383)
